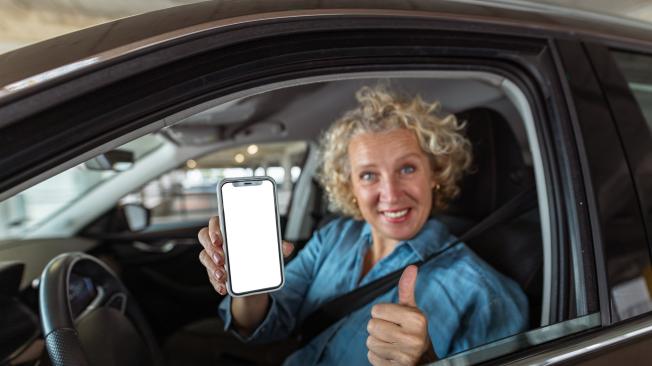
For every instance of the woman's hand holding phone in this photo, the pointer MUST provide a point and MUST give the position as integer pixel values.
(212, 257)
(248, 311)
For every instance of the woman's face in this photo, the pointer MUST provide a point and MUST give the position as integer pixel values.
(392, 181)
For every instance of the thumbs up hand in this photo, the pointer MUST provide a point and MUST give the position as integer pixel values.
(398, 333)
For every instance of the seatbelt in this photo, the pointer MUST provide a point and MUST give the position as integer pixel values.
(336, 309)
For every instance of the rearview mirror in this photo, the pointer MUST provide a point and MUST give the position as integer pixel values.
(116, 160)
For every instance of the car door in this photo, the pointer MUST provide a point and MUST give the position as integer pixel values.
(622, 77)
(105, 101)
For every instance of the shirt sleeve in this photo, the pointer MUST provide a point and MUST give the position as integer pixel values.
(493, 319)
(492, 315)
(284, 306)
(468, 304)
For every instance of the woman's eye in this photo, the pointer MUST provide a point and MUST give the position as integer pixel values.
(367, 176)
(408, 169)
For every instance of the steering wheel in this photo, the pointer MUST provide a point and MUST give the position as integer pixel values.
(110, 331)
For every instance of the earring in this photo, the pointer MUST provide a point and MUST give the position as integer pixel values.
(437, 187)
(354, 200)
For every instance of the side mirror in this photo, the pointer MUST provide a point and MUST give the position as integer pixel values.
(137, 216)
(116, 160)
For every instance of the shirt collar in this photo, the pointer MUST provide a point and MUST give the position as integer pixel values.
(433, 237)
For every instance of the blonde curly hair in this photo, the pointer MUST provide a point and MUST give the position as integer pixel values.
(440, 137)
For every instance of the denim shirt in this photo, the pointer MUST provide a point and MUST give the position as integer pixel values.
(466, 301)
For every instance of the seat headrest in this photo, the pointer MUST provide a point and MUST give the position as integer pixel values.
(499, 170)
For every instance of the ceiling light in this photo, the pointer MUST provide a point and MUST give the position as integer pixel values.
(191, 164)
(239, 158)
(252, 149)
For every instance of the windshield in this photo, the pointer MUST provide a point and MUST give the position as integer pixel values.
(22, 212)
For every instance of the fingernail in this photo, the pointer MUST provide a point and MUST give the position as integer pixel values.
(218, 274)
(216, 258)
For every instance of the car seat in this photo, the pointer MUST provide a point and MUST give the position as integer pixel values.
(500, 172)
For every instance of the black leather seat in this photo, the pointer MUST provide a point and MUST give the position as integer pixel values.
(514, 248)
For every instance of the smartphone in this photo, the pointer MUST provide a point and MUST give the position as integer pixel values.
(251, 235)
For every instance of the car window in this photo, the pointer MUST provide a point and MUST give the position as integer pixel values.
(26, 210)
(508, 154)
(509, 157)
(189, 191)
(633, 297)
(636, 69)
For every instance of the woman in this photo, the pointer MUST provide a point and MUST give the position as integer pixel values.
(388, 164)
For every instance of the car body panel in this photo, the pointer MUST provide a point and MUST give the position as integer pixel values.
(71, 53)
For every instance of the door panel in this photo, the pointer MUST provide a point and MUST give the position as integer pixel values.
(618, 232)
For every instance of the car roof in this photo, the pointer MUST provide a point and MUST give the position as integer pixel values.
(58, 56)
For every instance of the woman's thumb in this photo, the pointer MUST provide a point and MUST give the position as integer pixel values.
(406, 286)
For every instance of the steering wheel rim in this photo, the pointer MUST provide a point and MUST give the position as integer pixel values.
(63, 340)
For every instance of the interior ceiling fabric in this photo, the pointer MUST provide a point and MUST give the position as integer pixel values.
(23, 22)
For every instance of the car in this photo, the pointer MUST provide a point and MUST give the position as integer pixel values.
(113, 138)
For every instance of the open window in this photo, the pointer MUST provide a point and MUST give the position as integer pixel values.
(274, 131)
(509, 156)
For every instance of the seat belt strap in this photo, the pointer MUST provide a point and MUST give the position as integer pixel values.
(336, 309)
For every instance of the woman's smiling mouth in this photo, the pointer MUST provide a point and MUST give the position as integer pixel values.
(396, 215)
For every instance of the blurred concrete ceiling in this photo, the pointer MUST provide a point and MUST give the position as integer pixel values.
(27, 21)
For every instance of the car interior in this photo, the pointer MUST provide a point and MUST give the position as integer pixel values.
(140, 217)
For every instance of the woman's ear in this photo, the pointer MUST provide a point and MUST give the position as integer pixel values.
(351, 188)
(434, 185)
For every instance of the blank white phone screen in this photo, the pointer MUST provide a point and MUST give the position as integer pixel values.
(251, 236)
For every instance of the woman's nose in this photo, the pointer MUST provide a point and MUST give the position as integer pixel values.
(390, 190)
